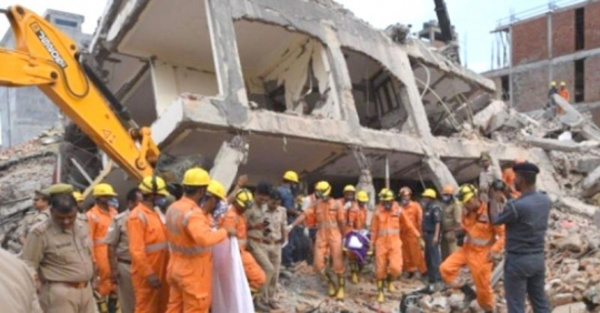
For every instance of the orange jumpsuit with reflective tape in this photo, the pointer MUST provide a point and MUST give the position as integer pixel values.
(413, 257)
(327, 216)
(482, 237)
(508, 176)
(385, 235)
(255, 274)
(149, 255)
(356, 218)
(189, 272)
(99, 221)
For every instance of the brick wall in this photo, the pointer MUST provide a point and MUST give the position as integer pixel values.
(530, 89)
(563, 33)
(530, 41)
(592, 79)
(592, 25)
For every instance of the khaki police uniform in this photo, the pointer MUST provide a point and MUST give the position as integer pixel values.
(272, 245)
(31, 219)
(255, 218)
(451, 221)
(17, 286)
(63, 261)
(117, 238)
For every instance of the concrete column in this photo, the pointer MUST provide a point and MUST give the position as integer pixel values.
(227, 61)
(442, 175)
(228, 159)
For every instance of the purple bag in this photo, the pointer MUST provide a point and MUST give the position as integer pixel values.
(357, 243)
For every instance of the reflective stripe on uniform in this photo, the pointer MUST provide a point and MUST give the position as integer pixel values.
(142, 218)
(242, 241)
(192, 250)
(327, 225)
(186, 218)
(480, 242)
(386, 232)
(98, 242)
(154, 247)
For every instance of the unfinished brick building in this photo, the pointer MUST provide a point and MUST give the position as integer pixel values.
(548, 44)
(262, 86)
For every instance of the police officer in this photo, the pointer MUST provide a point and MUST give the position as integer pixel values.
(431, 235)
(61, 252)
(526, 220)
(451, 221)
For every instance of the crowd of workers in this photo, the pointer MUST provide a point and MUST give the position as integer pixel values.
(155, 256)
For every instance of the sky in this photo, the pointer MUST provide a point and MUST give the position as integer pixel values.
(473, 19)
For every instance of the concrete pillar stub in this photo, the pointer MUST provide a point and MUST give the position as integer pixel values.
(228, 159)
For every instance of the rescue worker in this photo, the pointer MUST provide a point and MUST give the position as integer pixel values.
(273, 237)
(234, 218)
(386, 226)
(117, 240)
(19, 294)
(483, 240)
(451, 221)
(329, 217)
(99, 218)
(356, 219)
(258, 224)
(288, 200)
(508, 176)
(431, 234)
(553, 90)
(60, 251)
(349, 199)
(564, 92)
(148, 247)
(41, 204)
(486, 176)
(412, 254)
(526, 221)
(81, 212)
(190, 237)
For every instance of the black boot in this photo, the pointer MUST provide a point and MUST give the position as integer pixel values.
(113, 303)
(470, 295)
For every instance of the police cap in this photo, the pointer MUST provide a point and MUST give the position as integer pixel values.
(526, 167)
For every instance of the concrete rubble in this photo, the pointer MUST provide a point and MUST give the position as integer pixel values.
(305, 85)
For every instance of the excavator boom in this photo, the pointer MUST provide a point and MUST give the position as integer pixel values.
(47, 58)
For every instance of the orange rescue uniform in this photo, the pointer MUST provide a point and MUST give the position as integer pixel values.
(482, 238)
(149, 255)
(508, 176)
(566, 95)
(255, 274)
(356, 217)
(190, 266)
(327, 216)
(99, 221)
(385, 233)
(413, 257)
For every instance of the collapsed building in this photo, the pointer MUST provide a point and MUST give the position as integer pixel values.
(262, 86)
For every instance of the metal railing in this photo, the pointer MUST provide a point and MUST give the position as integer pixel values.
(552, 5)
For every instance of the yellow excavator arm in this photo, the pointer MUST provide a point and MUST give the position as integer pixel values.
(47, 58)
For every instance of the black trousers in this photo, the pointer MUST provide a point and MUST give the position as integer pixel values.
(524, 275)
(432, 258)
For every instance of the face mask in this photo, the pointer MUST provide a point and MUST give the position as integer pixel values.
(446, 198)
(113, 203)
(160, 202)
(387, 206)
(405, 201)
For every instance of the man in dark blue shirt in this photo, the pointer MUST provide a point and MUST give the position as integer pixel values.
(287, 192)
(431, 235)
(526, 220)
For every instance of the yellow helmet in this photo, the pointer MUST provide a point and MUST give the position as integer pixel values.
(466, 192)
(349, 188)
(553, 83)
(216, 189)
(244, 198)
(153, 185)
(323, 187)
(291, 176)
(386, 195)
(429, 193)
(563, 84)
(362, 196)
(78, 196)
(104, 190)
(196, 177)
